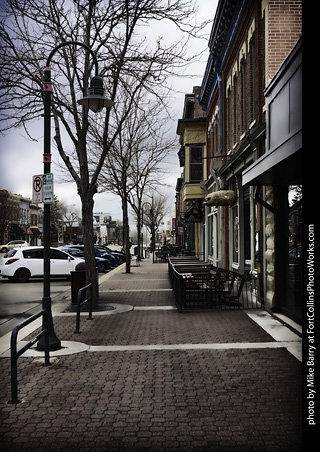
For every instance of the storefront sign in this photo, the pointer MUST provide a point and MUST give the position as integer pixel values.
(193, 217)
(221, 198)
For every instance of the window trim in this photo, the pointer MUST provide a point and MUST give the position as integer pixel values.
(191, 164)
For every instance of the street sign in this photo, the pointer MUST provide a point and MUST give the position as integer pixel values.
(37, 189)
(47, 188)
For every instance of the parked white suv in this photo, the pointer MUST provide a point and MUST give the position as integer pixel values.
(13, 244)
(20, 264)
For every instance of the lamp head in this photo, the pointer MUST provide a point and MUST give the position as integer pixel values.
(96, 99)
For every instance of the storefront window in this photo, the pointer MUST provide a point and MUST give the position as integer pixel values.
(213, 235)
(235, 222)
(246, 225)
(210, 235)
(294, 248)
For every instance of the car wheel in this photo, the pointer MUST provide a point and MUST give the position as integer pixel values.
(4, 250)
(101, 267)
(22, 275)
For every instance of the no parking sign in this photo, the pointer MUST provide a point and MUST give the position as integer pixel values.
(37, 187)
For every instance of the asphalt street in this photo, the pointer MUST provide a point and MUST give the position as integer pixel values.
(19, 301)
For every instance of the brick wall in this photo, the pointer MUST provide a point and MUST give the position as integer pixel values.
(198, 112)
(244, 79)
(284, 27)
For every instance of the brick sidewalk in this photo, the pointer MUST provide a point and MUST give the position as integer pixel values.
(155, 399)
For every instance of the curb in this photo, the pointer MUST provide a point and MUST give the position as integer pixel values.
(62, 301)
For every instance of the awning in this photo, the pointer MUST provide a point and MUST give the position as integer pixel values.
(278, 167)
(35, 231)
(26, 230)
(16, 228)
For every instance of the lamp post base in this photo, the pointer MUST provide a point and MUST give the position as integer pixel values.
(54, 342)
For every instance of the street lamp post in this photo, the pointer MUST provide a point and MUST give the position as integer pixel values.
(95, 101)
(151, 213)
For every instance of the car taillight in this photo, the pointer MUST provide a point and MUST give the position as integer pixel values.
(11, 261)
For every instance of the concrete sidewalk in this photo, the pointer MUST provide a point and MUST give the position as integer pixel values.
(142, 377)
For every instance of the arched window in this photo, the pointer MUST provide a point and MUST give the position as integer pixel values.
(243, 95)
(235, 109)
(252, 78)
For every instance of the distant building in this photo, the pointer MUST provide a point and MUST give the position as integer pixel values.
(35, 224)
(106, 230)
(192, 156)
(19, 219)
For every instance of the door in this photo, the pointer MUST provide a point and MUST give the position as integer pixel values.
(60, 263)
(33, 261)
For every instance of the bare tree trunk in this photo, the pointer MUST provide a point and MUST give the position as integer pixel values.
(139, 228)
(91, 272)
(126, 233)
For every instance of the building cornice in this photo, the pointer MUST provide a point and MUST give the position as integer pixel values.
(189, 121)
(226, 23)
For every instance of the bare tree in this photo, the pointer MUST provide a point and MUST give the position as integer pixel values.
(132, 165)
(148, 166)
(31, 29)
(153, 215)
(70, 217)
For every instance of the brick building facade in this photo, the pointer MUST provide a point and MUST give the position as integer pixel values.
(19, 219)
(253, 49)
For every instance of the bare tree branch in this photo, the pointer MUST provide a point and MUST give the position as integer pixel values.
(129, 62)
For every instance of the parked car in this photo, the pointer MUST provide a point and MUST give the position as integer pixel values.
(102, 250)
(101, 264)
(118, 254)
(21, 264)
(109, 257)
(13, 244)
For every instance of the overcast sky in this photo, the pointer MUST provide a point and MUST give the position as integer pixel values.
(21, 158)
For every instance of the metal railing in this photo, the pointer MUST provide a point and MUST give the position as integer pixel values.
(241, 291)
(194, 286)
(81, 303)
(15, 354)
(198, 284)
(163, 253)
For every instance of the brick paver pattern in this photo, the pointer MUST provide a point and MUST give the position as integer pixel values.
(155, 400)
